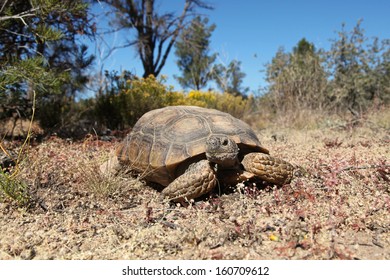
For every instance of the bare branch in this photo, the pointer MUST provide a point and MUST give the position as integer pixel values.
(29, 13)
(156, 34)
(174, 35)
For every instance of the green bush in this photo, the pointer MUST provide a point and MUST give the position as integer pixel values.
(128, 98)
(202, 99)
(14, 189)
(128, 101)
(234, 105)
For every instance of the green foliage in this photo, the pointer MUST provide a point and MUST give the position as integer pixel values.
(352, 76)
(230, 78)
(13, 188)
(192, 50)
(39, 52)
(234, 105)
(155, 32)
(297, 80)
(207, 99)
(32, 71)
(359, 70)
(303, 47)
(47, 33)
(141, 96)
(11, 185)
(237, 106)
(125, 98)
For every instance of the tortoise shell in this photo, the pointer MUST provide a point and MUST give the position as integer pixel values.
(164, 142)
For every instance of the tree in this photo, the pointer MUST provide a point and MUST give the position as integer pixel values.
(358, 70)
(39, 52)
(381, 68)
(192, 50)
(297, 79)
(156, 33)
(304, 47)
(230, 78)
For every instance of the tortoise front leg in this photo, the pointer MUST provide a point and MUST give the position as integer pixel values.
(199, 179)
(267, 168)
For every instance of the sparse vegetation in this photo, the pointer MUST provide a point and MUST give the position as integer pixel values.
(102, 184)
(339, 210)
(326, 111)
(13, 189)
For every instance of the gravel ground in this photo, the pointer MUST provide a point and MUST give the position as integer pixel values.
(339, 209)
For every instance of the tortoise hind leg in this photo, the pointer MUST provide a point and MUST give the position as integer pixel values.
(267, 168)
(198, 179)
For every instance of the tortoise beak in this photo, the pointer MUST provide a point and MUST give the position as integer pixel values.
(222, 150)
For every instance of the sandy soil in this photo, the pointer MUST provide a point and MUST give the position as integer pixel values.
(339, 209)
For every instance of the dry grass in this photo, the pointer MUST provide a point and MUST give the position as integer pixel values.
(306, 119)
(339, 210)
(19, 127)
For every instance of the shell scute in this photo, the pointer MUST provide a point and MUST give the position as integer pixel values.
(164, 138)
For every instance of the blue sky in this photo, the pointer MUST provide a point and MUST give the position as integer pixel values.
(251, 31)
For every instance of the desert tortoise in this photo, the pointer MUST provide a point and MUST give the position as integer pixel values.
(187, 149)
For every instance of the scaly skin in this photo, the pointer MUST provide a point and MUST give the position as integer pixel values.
(267, 168)
(198, 179)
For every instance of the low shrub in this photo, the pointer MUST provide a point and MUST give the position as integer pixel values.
(122, 107)
(13, 188)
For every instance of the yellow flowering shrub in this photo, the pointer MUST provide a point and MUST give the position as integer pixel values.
(137, 96)
(201, 98)
(234, 105)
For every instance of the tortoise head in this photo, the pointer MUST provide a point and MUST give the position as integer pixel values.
(222, 150)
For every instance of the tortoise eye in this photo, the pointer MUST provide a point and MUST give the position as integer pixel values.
(225, 142)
